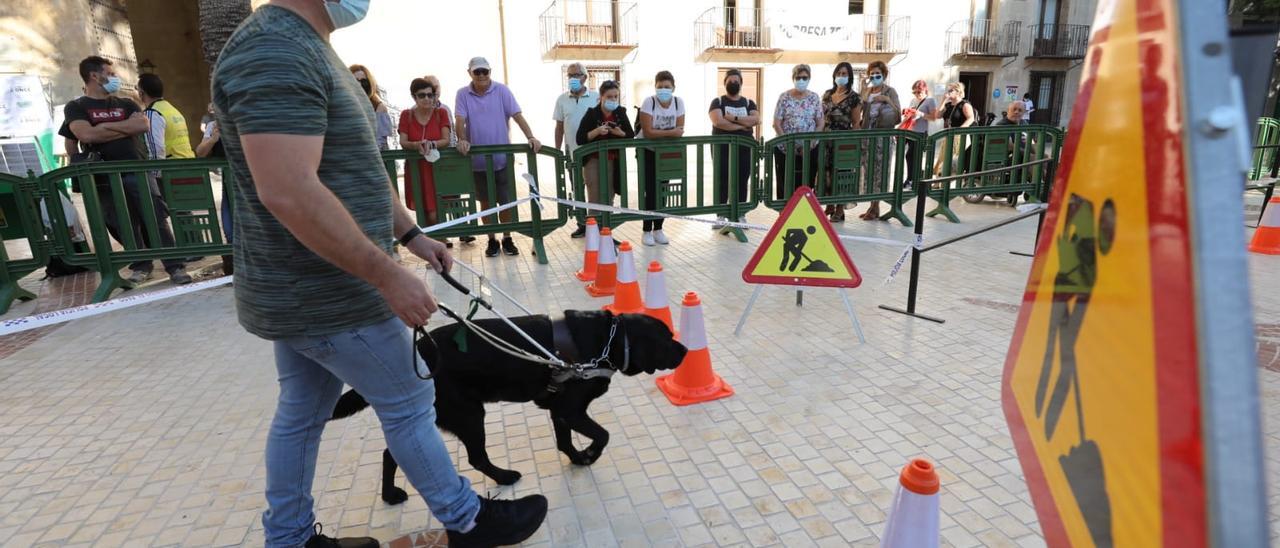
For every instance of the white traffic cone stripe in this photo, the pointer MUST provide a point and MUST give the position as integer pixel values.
(593, 237)
(607, 254)
(693, 333)
(913, 521)
(1271, 217)
(626, 268)
(655, 291)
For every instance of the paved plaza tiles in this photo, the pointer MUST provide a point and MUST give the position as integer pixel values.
(145, 427)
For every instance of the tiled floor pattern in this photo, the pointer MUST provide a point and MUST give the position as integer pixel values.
(146, 427)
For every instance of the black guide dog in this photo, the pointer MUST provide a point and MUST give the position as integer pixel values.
(467, 379)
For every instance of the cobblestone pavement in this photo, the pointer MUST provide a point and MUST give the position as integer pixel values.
(146, 426)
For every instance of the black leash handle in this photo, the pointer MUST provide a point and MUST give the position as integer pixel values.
(465, 291)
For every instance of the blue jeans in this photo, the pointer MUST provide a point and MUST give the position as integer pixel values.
(375, 360)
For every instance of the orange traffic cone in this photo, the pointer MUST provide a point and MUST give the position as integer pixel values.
(655, 297)
(1267, 238)
(606, 269)
(588, 272)
(626, 297)
(693, 381)
(913, 518)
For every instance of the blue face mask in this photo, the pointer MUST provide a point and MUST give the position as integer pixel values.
(345, 13)
(802, 84)
(575, 85)
(610, 105)
(842, 81)
(112, 85)
(665, 94)
(877, 80)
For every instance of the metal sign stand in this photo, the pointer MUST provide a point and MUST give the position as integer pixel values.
(844, 294)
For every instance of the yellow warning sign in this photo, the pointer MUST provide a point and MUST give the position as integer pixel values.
(802, 249)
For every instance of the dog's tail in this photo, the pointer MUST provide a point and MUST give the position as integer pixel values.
(349, 404)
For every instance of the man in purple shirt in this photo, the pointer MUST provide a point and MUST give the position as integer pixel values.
(483, 111)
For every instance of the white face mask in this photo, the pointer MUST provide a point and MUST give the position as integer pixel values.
(345, 13)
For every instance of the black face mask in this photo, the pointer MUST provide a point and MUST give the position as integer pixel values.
(733, 88)
(364, 84)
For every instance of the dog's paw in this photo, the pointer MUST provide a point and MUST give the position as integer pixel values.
(506, 477)
(394, 495)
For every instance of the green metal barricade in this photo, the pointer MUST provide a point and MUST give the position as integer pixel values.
(107, 189)
(458, 190)
(959, 151)
(689, 176)
(20, 220)
(842, 167)
(1265, 158)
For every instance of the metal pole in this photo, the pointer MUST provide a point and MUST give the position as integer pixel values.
(922, 194)
(848, 307)
(750, 303)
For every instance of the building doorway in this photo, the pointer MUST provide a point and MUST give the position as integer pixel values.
(750, 88)
(1046, 93)
(977, 88)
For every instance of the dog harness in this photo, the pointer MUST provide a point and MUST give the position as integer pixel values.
(574, 368)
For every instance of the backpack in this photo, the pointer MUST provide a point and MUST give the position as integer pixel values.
(675, 101)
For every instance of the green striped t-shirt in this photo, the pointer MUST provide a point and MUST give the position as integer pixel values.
(277, 76)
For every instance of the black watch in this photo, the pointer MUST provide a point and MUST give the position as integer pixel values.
(410, 235)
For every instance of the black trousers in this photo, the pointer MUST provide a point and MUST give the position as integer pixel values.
(722, 169)
(133, 189)
(650, 188)
(797, 168)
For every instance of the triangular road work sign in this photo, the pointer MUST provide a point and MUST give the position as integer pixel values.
(802, 249)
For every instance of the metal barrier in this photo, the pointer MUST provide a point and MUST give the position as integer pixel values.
(457, 195)
(117, 193)
(980, 150)
(1266, 159)
(20, 220)
(864, 165)
(683, 171)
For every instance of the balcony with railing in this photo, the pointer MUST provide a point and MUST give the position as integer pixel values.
(881, 34)
(733, 32)
(593, 29)
(983, 38)
(1059, 41)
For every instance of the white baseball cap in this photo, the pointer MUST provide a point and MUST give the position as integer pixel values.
(477, 62)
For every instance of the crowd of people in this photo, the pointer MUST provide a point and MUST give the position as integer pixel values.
(103, 125)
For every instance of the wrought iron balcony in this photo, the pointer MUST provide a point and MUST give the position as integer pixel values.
(983, 38)
(733, 29)
(881, 33)
(575, 25)
(1059, 41)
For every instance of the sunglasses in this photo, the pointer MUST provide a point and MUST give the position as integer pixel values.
(579, 76)
(424, 95)
(480, 72)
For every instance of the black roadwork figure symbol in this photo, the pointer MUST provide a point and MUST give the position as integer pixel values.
(1078, 245)
(793, 243)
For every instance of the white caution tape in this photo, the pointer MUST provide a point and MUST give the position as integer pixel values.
(902, 259)
(27, 323)
(463, 220)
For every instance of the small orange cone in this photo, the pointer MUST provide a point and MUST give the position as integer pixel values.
(913, 518)
(626, 297)
(1266, 239)
(588, 272)
(606, 269)
(655, 297)
(693, 381)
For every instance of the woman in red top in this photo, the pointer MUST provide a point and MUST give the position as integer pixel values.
(423, 128)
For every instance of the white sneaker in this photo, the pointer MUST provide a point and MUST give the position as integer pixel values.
(647, 239)
(659, 237)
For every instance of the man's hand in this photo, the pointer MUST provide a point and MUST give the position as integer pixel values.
(464, 146)
(408, 296)
(433, 252)
(534, 144)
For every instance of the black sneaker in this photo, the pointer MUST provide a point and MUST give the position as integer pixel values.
(503, 522)
(179, 277)
(509, 246)
(492, 249)
(466, 239)
(318, 540)
(580, 232)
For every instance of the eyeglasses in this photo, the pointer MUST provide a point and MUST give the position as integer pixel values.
(579, 76)
(424, 95)
(480, 72)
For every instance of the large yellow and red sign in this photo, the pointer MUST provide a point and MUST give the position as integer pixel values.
(1100, 385)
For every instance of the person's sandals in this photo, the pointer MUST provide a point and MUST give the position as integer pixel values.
(509, 246)
(502, 522)
(319, 540)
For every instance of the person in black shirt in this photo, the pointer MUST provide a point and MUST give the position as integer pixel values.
(733, 114)
(110, 126)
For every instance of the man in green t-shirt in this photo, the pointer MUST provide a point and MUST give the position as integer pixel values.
(314, 223)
